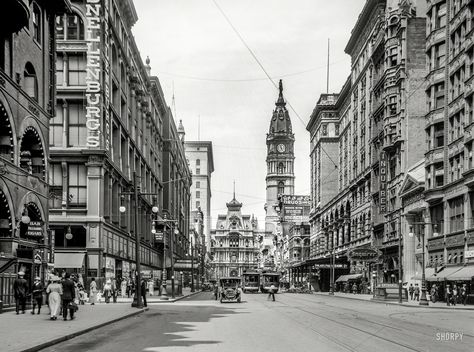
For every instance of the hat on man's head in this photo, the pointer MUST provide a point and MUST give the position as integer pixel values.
(38, 278)
(21, 273)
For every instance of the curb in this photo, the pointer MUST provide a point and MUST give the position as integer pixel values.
(183, 297)
(171, 300)
(81, 332)
(398, 304)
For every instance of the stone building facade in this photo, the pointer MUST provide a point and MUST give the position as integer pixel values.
(112, 123)
(27, 99)
(371, 133)
(234, 242)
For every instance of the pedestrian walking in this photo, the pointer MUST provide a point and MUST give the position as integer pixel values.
(93, 292)
(271, 292)
(107, 290)
(449, 294)
(216, 291)
(114, 290)
(129, 287)
(455, 295)
(37, 294)
(68, 296)
(143, 293)
(417, 292)
(464, 294)
(123, 288)
(411, 290)
(20, 290)
(434, 293)
(55, 291)
(151, 287)
(354, 288)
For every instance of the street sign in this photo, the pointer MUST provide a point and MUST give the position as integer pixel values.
(469, 254)
(369, 254)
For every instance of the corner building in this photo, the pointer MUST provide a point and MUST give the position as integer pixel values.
(111, 120)
(367, 137)
(27, 97)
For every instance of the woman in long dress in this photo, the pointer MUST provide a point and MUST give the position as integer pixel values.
(55, 291)
(93, 292)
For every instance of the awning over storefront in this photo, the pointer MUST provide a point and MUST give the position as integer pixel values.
(443, 274)
(344, 278)
(68, 260)
(464, 274)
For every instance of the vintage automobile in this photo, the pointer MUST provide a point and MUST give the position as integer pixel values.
(229, 289)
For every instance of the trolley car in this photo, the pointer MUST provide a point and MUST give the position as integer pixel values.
(250, 281)
(267, 279)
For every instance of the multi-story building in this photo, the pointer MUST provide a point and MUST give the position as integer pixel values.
(234, 242)
(111, 124)
(201, 161)
(27, 98)
(447, 222)
(280, 177)
(372, 134)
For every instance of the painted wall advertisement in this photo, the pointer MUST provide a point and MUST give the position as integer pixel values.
(109, 267)
(296, 208)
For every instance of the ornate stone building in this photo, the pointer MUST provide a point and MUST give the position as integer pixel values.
(27, 99)
(234, 242)
(371, 133)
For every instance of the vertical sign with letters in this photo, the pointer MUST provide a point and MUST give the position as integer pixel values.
(93, 73)
(106, 54)
(383, 183)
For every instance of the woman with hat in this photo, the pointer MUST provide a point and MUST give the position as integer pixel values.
(55, 291)
(37, 293)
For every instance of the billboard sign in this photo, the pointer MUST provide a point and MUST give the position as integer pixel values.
(368, 254)
(383, 183)
(296, 208)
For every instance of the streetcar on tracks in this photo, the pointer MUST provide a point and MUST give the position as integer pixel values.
(229, 289)
(250, 281)
(267, 279)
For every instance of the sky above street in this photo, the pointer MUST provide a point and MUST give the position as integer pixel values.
(222, 92)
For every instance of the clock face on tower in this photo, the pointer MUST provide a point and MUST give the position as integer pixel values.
(281, 148)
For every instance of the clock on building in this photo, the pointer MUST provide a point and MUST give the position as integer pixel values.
(281, 148)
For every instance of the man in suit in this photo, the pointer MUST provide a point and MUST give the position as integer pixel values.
(69, 294)
(20, 289)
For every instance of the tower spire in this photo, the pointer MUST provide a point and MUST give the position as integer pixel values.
(234, 189)
(280, 100)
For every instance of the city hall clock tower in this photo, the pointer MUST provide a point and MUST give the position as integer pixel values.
(280, 160)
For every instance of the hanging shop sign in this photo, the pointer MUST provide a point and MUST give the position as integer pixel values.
(469, 254)
(368, 254)
(329, 266)
(35, 229)
(383, 183)
(159, 236)
(296, 208)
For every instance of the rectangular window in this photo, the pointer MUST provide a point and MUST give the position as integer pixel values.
(77, 190)
(198, 204)
(198, 194)
(77, 125)
(440, 55)
(56, 127)
(456, 214)
(36, 24)
(59, 70)
(198, 184)
(439, 95)
(198, 171)
(440, 15)
(77, 70)
(55, 185)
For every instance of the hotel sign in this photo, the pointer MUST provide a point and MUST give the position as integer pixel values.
(35, 229)
(383, 183)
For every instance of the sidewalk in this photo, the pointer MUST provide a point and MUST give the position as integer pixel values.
(27, 332)
(414, 304)
(156, 298)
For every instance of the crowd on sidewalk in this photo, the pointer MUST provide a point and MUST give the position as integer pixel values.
(65, 293)
(456, 294)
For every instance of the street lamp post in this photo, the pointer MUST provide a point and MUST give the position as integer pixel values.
(423, 299)
(333, 263)
(192, 263)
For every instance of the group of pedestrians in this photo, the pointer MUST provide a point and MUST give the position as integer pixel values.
(456, 294)
(62, 294)
(414, 292)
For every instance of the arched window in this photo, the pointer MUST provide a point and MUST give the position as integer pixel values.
(37, 23)
(30, 82)
(281, 168)
(281, 187)
(198, 162)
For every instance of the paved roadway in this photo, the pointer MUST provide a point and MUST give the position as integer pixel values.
(295, 322)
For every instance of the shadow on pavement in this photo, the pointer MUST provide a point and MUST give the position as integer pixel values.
(161, 326)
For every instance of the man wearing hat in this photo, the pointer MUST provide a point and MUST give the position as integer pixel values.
(37, 293)
(20, 288)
